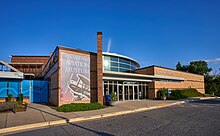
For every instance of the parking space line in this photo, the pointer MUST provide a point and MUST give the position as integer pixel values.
(193, 105)
(210, 106)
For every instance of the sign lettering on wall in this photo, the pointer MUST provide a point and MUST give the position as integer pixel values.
(75, 77)
(165, 73)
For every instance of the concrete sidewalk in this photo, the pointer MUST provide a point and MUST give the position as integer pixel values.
(38, 113)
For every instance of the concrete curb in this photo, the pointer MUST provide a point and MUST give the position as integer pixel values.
(57, 122)
(199, 98)
(206, 98)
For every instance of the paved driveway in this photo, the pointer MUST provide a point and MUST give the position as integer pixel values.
(37, 113)
(193, 118)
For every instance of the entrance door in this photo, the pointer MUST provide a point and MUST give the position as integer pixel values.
(136, 95)
(120, 92)
(39, 91)
(131, 93)
(126, 92)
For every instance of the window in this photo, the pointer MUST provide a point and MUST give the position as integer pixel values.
(124, 66)
(124, 61)
(124, 70)
(114, 59)
(114, 64)
(114, 69)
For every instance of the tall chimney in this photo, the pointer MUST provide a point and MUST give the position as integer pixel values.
(99, 68)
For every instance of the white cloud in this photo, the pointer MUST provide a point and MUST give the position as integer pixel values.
(213, 61)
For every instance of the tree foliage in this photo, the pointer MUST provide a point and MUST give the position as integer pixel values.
(196, 67)
(212, 82)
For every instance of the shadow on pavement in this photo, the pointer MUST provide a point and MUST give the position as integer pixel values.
(67, 120)
(96, 132)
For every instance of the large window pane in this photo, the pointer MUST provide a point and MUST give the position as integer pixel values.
(114, 64)
(133, 65)
(124, 61)
(114, 69)
(106, 58)
(114, 59)
(107, 68)
(124, 66)
(124, 70)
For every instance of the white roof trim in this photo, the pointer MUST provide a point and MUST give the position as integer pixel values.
(12, 75)
(11, 67)
(118, 55)
(126, 79)
(144, 76)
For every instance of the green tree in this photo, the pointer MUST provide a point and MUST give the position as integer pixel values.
(212, 82)
(196, 67)
(199, 67)
(179, 66)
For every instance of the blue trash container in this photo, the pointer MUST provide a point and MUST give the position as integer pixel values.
(108, 99)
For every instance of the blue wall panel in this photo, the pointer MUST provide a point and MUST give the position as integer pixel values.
(36, 90)
(3, 89)
(44, 91)
(26, 88)
(14, 88)
(40, 91)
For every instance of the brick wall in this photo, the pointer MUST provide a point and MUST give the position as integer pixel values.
(93, 77)
(99, 68)
(32, 67)
(147, 71)
(191, 80)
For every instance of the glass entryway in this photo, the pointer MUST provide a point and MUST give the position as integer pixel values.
(126, 90)
(120, 92)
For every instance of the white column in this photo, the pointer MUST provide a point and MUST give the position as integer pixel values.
(133, 92)
(117, 91)
(123, 92)
(138, 91)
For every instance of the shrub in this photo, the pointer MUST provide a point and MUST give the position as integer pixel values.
(9, 98)
(180, 94)
(20, 98)
(113, 96)
(79, 107)
(161, 92)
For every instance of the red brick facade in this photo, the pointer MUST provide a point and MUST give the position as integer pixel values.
(30, 64)
(99, 68)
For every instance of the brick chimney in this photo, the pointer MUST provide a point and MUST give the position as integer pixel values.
(99, 68)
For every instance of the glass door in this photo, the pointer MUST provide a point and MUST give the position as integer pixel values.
(120, 92)
(126, 92)
(131, 92)
(136, 92)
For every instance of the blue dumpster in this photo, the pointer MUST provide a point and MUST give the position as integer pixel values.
(108, 99)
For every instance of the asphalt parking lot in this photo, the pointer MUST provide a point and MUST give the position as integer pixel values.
(192, 118)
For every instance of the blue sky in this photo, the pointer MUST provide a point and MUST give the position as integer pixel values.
(154, 32)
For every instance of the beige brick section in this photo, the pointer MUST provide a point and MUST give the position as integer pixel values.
(191, 80)
(147, 71)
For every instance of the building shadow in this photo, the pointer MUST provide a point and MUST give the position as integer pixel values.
(61, 117)
(91, 130)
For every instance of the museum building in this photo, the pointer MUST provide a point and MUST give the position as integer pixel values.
(76, 76)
